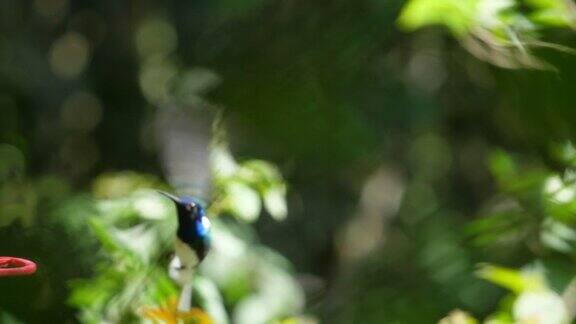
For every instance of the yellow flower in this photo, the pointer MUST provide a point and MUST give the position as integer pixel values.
(169, 314)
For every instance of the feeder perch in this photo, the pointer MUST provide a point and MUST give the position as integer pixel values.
(11, 266)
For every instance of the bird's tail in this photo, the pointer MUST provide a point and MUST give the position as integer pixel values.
(185, 302)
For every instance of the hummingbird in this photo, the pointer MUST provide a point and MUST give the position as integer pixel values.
(191, 244)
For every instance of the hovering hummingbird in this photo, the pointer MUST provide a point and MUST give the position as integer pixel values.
(192, 240)
(191, 245)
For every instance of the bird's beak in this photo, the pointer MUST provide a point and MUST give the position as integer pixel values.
(171, 196)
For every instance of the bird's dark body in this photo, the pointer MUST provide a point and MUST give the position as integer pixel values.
(193, 233)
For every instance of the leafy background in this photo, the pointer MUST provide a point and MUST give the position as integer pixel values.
(372, 161)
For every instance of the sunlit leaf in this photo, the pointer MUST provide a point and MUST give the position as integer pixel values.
(259, 173)
(540, 307)
(140, 240)
(223, 164)
(103, 234)
(119, 184)
(558, 236)
(243, 201)
(514, 280)
(150, 205)
(456, 15)
(211, 299)
(458, 317)
(551, 13)
(275, 202)
(501, 317)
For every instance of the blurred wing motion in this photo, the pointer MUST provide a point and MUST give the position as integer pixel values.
(184, 135)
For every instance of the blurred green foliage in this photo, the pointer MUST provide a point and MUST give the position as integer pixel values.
(135, 226)
(388, 171)
(534, 211)
(499, 31)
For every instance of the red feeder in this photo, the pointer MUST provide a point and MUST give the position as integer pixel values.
(10, 266)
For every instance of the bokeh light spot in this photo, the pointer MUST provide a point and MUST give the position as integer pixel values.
(155, 80)
(81, 111)
(54, 9)
(156, 36)
(69, 55)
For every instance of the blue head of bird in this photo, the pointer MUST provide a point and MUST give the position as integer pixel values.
(193, 233)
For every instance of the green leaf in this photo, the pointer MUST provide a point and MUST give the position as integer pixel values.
(514, 280)
(275, 202)
(545, 306)
(120, 184)
(140, 240)
(557, 236)
(243, 201)
(458, 317)
(151, 206)
(259, 173)
(223, 164)
(211, 299)
(499, 227)
(103, 234)
(501, 317)
(553, 18)
(502, 166)
(457, 15)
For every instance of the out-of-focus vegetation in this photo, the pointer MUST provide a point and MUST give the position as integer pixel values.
(362, 161)
(502, 32)
(136, 229)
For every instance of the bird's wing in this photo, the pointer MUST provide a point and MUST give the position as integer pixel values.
(184, 136)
